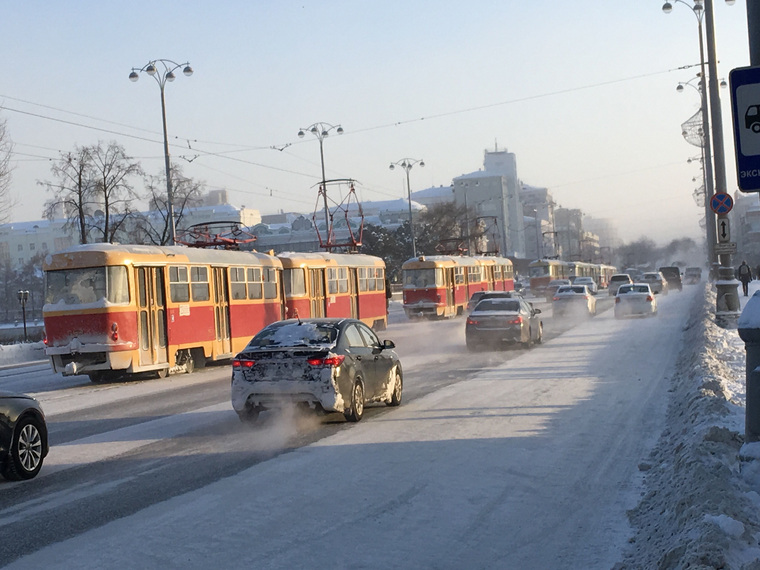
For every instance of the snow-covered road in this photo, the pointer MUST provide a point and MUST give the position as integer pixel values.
(532, 463)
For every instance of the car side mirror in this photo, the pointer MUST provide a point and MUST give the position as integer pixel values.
(388, 344)
(536, 311)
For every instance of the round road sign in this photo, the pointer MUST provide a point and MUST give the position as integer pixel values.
(721, 203)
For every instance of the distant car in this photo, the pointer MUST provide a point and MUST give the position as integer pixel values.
(673, 277)
(635, 299)
(480, 295)
(616, 281)
(573, 300)
(692, 275)
(553, 285)
(499, 321)
(656, 281)
(330, 365)
(588, 282)
(23, 436)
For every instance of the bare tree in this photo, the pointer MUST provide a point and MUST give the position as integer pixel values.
(73, 191)
(6, 148)
(111, 171)
(153, 226)
(92, 190)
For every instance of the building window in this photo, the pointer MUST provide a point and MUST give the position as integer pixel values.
(31, 247)
(44, 246)
(21, 247)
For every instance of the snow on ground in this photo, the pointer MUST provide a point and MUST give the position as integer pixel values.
(14, 354)
(700, 506)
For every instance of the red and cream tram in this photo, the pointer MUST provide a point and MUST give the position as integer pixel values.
(439, 286)
(335, 285)
(121, 309)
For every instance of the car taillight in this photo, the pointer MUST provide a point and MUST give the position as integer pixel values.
(650, 298)
(114, 331)
(555, 299)
(585, 297)
(515, 321)
(617, 299)
(240, 363)
(44, 338)
(336, 360)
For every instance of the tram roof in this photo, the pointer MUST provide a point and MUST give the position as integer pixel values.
(95, 254)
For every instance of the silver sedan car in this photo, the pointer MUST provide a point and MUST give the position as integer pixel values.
(635, 299)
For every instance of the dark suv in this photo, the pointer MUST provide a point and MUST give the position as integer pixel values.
(673, 277)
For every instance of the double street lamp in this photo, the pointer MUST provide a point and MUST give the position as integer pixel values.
(321, 131)
(166, 73)
(407, 164)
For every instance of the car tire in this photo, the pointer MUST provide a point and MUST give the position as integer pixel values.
(25, 455)
(250, 415)
(356, 411)
(398, 388)
(529, 343)
(540, 339)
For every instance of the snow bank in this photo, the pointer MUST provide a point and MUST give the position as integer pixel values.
(20, 353)
(700, 508)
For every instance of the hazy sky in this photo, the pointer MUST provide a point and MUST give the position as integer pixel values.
(582, 91)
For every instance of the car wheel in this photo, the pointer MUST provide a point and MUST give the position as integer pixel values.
(398, 387)
(356, 411)
(540, 338)
(529, 343)
(25, 456)
(249, 415)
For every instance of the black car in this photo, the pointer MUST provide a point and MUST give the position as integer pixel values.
(330, 365)
(23, 436)
(498, 321)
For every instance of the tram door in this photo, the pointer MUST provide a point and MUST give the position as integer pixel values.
(449, 284)
(151, 301)
(317, 292)
(353, 291)
(223, 343)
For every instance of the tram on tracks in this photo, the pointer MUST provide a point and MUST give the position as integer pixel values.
(113, 310)
(542, 271)
(439, 286)
(335, 285)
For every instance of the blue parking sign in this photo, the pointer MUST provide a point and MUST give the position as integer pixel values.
(745, 110)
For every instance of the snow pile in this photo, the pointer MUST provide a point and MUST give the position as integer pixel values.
(701, 507)
(20, 353)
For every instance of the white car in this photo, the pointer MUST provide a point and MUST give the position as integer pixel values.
(616, 281)
(588, 282)
(656, 281)
(635, 299)
(573, 300)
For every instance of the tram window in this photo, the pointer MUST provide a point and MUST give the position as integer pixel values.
(342, 280)
(295, 282)
(459, 276)
(270, 283)
(199, 283)
(116, 285)
(371, 279)
(362, 279)
(380, 278)
(76, 286)
(179, 287)
(332, 280)
(254, 283)
(237, 283)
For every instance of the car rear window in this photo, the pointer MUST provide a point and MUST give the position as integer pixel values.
(498, 305)
(295, 334)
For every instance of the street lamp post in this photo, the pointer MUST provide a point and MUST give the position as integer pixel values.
(161, 77)
(321, 131)
(407, 164)
(538, 233)
(706, 155)
(23, 297)
(727, 297)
